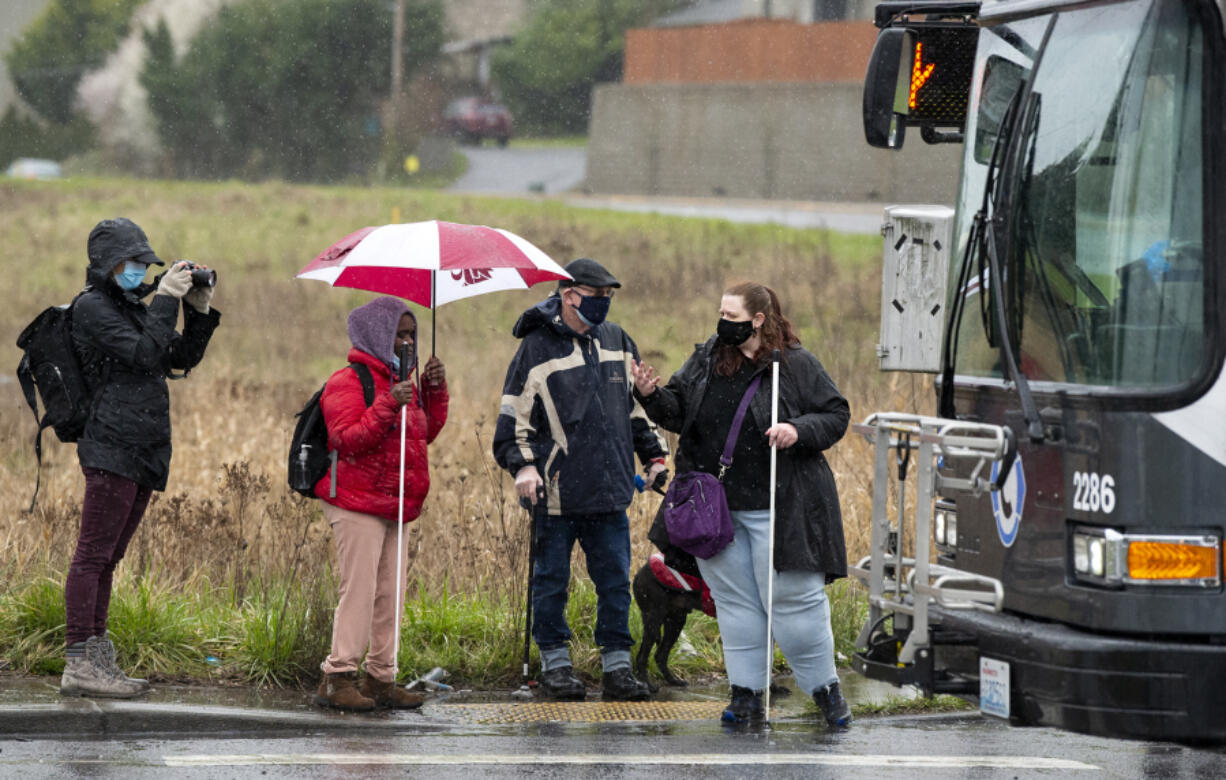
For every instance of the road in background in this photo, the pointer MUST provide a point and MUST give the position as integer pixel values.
(559, 171)
(512, 171)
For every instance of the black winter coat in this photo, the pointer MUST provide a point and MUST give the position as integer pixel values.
(126, 350)
(808, 522)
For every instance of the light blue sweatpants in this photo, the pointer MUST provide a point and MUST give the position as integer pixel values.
(801, 619)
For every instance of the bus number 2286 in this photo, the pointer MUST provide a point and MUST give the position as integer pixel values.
(1093, 493)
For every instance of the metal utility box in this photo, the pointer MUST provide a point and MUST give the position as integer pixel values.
(914, 279)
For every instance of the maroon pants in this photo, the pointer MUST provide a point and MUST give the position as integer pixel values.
(111, 512)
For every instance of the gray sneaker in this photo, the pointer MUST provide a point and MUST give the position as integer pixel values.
(83, 677)
(105, 658)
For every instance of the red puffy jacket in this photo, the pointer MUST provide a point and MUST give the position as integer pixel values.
(367, 441)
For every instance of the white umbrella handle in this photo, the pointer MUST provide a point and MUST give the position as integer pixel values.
(770, 545)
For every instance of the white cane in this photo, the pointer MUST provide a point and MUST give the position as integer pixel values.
(770, 545)
(404, 416)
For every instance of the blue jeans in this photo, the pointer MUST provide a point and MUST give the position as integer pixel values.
(605, 539)
(801, 620)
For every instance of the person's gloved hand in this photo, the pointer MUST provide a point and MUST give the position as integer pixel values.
(199, 298)
(527, 482)
(657, 475)
(176, 281)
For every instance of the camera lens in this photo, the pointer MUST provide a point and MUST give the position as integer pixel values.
(203, 277)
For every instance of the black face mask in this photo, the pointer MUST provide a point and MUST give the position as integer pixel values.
(734, 334)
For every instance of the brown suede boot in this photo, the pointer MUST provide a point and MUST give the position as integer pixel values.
(388, 695)
(340, 692)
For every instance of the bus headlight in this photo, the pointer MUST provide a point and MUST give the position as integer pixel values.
(945, 523)
(1109, 557)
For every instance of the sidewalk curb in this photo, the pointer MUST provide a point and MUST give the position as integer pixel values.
(88, 717)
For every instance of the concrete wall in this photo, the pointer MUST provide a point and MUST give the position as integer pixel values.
(786, 141)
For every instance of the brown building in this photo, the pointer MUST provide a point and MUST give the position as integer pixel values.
(753, 108)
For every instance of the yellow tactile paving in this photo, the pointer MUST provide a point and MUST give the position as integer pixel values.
(579, 711)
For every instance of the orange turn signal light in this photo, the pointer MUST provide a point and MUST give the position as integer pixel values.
(1155, 560)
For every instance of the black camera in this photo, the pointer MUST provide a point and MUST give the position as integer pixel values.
(201, 277)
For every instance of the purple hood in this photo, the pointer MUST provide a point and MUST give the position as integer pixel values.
(372, 328)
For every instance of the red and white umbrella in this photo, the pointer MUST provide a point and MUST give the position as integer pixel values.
(432, 263)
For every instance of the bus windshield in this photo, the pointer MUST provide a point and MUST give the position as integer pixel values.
(1105, 253)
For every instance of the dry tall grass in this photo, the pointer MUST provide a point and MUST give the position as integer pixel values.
(227, 513)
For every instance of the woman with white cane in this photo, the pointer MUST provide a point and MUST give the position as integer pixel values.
(379, 425)
(794, 413)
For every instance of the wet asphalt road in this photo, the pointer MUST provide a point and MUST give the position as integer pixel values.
(513, 171)
(916, 747)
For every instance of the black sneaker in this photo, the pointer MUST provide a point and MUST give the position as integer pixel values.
(745, 707)
(561, 683)
(622, 685)
(833, 706)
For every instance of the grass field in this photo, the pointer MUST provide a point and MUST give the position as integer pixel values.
(229, 563)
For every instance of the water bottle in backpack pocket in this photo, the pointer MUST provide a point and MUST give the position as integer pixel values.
(309, 455)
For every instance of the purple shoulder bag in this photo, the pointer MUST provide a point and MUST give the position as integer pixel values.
(695, 508)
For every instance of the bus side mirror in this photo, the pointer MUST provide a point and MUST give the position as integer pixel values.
(883, 83)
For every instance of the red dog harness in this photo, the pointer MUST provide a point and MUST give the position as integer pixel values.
(675, 580)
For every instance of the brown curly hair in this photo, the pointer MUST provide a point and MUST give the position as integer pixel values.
(776, 331)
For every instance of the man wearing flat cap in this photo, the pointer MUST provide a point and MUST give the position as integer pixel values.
(568, 430)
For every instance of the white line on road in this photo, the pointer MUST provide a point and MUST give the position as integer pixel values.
(718, 759)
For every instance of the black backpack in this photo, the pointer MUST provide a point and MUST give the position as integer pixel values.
(49, 363)
(309, 456)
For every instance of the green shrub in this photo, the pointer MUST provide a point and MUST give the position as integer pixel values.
(282, 88)
(69, 38)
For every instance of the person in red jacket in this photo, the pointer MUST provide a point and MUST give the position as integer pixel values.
(363, 509)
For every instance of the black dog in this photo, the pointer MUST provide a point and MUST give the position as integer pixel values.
(664, 609)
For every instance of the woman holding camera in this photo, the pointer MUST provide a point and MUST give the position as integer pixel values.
(126, 349)
(700, 402)
(363, 503)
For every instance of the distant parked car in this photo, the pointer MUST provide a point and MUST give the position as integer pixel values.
(473, 119)
(34, 168)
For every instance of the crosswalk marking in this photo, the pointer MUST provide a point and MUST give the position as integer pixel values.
(706, 759)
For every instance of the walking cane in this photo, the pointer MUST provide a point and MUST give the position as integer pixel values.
(770, 555)
(404, 416)
(524, 691)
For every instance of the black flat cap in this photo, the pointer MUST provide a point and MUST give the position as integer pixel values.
(113, 240)
(591, 273)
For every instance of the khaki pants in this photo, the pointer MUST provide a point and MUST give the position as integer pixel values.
(367, 614)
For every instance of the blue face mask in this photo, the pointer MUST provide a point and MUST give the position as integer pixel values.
(132, 275)
(592, 309)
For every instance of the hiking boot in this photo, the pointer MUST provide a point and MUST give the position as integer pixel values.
(745, 707)
(833, 706)
(389, 695)
(340, 692)
(104, 656)
(561, 683)
(622, 685)
(82, 677)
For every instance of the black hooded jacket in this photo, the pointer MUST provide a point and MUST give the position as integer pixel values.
(126, 350)
(809, 523)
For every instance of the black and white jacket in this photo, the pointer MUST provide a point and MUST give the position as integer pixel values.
(568, 407)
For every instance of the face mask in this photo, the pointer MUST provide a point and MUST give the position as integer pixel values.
(131, 276)
(734, 334)
(592, 309)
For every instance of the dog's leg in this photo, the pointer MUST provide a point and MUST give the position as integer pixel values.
(674, 622)
(647, 595)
